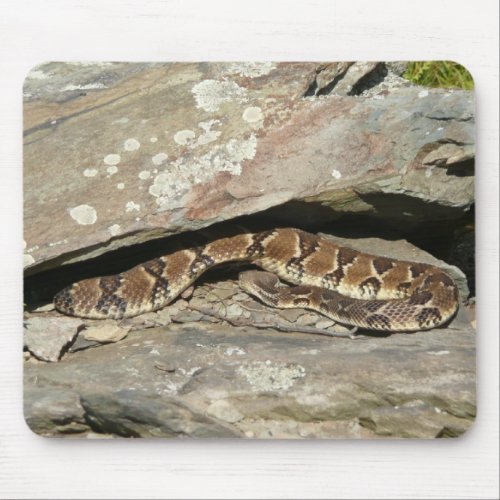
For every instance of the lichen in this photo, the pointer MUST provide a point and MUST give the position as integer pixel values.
(184, 173)
(132, 206)
(250, 69)
(268, 376)
(131, 144)
(210, 94)
(159, 158)
(83, 214)
(112, 159)
(184, 137)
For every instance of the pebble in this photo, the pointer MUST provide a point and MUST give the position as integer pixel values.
(323, 324)
(47, 337)
(105, 333)
(307, 319)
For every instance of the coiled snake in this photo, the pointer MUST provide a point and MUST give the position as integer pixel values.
(353, 288)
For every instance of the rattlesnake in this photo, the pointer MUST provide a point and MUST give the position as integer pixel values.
(351, 287)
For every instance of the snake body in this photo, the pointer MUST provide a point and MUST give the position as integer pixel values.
(351, 287)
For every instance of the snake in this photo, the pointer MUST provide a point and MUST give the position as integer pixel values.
(353, 288)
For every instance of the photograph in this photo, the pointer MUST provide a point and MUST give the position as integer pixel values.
(251, 250)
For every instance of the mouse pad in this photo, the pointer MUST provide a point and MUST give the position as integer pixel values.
(249, 250)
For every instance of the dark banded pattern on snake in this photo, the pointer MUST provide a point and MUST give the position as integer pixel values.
(350, 287)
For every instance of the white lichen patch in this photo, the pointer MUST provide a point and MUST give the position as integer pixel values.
(235, 350)
(112, 159)
(112, 170)
(184, 137)
(121, 120)
(185, 173)
(27, 260)
(132, 206)
(114, 230)
(90, 172)
(153, 139)
(266, 376)
(57, 243)
(211, 94)
(120, 185)
(83, 214)
(238, 151)
(131, 145)
(88, 86)
(144, 174)
(250, 69)
(159, 158)
(253, 115)
(97, 64)
(423, 93)
(336, 174)
(188, 137)
(208, 135)
(37, 74)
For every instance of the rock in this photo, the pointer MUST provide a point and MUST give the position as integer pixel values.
(291, 315)
(309, 143)
(107, 331)
(234, 310)
(44, 308)
(354, 76)
(227, 381)
(47, 337)
(324, 323)
(163, 317)
(129, 414)
(225, 411)
(308, 319)
(210, 142)
(53, 412)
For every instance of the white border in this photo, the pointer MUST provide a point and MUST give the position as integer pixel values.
(32, 32)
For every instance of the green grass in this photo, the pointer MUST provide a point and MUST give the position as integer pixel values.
(445, 74)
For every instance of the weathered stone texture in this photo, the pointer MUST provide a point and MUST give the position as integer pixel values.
(117, 154)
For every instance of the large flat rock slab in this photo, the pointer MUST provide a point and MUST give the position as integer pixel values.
(117, 154)
(208, 380)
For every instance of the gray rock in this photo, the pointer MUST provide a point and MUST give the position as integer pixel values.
(209, 142)
(50, 410)
(129, 414)
(47, 337)
(225, 411)
(107, 331)
(226, 381)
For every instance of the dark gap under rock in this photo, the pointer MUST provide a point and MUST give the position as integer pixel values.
(461, 169)
(370, 80)
(317, 88)
(435, 237)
